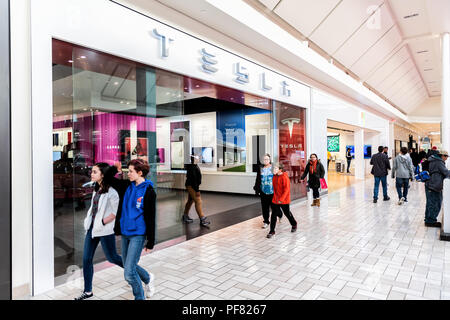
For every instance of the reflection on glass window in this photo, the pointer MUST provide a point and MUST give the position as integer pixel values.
(109, 109)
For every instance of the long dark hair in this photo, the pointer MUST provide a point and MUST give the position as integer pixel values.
(104, 169)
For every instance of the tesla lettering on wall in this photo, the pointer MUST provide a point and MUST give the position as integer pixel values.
(208, 66)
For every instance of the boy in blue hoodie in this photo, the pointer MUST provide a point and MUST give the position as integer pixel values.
(136, 223)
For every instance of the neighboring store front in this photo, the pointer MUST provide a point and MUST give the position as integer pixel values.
(159, 95)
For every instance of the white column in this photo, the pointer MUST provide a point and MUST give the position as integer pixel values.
(359, 154)
(445, 137)
(445, 96)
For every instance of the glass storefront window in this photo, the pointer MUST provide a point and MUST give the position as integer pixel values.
(292, 144)
(109, 109)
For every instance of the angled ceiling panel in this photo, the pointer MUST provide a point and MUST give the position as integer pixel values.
(395, 76)
(392, 64)
(412, 16)
(365, 37)
(412, 86)
(332, 33)
(429, 64)
(270, 4)
(377, 53)
(403, 81)
(305, 15)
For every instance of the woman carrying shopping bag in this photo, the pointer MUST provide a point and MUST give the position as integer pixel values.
(315, 172)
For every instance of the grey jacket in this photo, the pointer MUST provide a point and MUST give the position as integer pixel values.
(438, 172)
(403, 167)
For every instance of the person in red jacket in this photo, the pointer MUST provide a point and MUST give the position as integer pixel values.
(281, 198)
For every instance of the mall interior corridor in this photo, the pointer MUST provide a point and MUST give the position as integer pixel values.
(349, 248)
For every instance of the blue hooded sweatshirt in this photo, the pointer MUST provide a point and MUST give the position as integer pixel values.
(132, 221)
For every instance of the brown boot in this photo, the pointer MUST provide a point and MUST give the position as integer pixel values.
(318, 203)
(314, 203)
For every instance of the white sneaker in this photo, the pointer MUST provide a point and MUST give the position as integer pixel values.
(400, 202)
(149, 288)
(265, 225)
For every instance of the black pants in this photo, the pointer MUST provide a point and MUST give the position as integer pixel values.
(266, 201)
(316, 194)
(277, 211)
(349, 161)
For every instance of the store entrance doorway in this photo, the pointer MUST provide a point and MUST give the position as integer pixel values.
(344, 165)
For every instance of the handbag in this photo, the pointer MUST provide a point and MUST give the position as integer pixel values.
(323, 184)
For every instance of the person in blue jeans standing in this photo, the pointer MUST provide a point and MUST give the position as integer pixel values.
(434, 186)
(99, 226)
(264, 188)
(381, 165)
(136, 224)
(402, 171)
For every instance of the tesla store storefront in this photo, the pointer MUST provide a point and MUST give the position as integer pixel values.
(160, 96)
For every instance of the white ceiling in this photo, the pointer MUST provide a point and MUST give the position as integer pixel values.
(386, 43)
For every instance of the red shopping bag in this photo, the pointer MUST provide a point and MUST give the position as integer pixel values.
(323, 184)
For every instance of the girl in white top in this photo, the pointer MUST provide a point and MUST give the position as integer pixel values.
(99, 226)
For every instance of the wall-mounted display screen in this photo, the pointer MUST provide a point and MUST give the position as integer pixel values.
(367, 151)
(205, 154)
(333, 143)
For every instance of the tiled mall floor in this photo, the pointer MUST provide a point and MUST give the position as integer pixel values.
(349, 248)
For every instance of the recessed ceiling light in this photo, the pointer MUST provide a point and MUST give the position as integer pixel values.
(197, 86)
(85, 109)
(121, 101)
(116, 83)
(83, 57)
(70, 61)
(232, 98)
(128, 102)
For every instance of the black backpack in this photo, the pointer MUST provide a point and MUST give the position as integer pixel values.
(425, 165)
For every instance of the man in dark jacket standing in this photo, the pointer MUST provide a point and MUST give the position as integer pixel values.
(348, 155)
(193, 182)
(380, 169)
(433, 187)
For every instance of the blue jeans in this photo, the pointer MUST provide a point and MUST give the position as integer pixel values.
(131, 252)
(433, 206)
(377, 187)
(402, 183)
(90, 244)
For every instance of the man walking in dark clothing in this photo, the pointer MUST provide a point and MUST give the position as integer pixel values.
(434, 186)
(348, 155)
(422, 155)
(380, 169)
(414, 157)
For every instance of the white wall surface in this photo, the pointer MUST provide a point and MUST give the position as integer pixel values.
(21, 147)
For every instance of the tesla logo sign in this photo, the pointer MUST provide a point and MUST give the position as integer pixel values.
(290, 122)
(209, 64)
